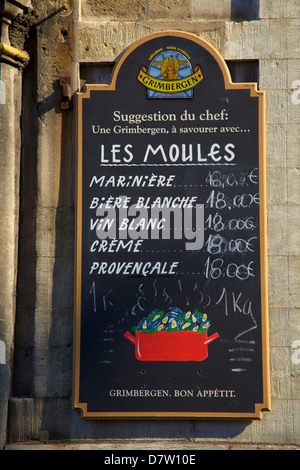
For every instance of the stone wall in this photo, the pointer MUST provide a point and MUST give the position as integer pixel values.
(83, 42)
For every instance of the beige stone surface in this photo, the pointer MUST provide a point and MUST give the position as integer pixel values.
(163, 9)
(278, 9)
(96, 33)
(114, 9)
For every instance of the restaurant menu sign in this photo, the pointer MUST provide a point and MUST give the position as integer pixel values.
(170, 288)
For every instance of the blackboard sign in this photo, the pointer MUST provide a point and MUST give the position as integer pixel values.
(171, 282)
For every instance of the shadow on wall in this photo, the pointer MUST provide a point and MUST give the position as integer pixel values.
(244, 10)
(52, 101)
(60, 422)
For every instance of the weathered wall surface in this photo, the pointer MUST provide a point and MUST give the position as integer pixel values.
(10, 145)
(82, 43)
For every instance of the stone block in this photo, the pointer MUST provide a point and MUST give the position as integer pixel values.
(42, 327)
(293, 281)
(277, 186)
(48, 171)
(293, 189)
(292, 38)
(263, 39)
(103, 42)
(276, 146)
(40, 370)
(61, 328)
(293, 111)
(278, 426)
(279, 323)
(282, 74)
(56, 232)
(281, 377)
(293, 79)
(294, 328)
(279, 9)
(218, 9)
(21, 426)
(63, 283)
(278, 234)
(273, 74)
(39, 419)
(277, 106)
(53, 352)
(292, 145)
(295, 395)
(45, 226)
(113, 9)
(293, 228)
(44, 282)
(164, 9)
(278, 282)
(55, 278)
(59, 372)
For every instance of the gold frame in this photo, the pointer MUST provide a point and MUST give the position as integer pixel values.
(259, 407)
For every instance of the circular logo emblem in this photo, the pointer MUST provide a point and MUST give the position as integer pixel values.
(170, 75)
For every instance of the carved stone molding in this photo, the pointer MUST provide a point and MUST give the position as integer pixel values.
(9, 10)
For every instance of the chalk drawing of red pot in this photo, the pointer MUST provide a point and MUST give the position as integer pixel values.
(171, 346)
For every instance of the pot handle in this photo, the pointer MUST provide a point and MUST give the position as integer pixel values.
(130, 337)
(211, 338)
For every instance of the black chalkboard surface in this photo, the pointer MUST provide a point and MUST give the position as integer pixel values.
(170, 288)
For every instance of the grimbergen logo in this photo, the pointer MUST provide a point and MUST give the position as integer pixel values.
(170, 75)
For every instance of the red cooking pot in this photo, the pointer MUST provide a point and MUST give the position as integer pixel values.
(171, 346)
